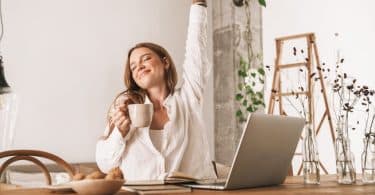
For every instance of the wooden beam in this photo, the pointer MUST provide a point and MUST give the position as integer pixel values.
(298, 36)
(321, 122)
(292, 93)
(293, 65)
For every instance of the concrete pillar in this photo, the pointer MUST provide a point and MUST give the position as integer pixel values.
(229, 26)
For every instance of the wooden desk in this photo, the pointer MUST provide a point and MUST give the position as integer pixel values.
(293, 185)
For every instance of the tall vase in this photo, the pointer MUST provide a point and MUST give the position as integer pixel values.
(345, 164)
(310, 162)
(368, 159)
(8, 111)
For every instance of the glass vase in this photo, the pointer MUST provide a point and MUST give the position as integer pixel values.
(310, 162)
(8, 111)
(368, 159)
(345, 163)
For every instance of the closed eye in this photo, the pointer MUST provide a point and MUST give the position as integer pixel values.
(146, 58)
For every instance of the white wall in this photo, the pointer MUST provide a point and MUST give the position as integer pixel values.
(355, 23)
(65, 61)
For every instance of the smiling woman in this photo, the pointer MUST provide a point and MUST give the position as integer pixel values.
(175, 141)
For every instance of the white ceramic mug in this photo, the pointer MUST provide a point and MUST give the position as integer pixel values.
(141, 114)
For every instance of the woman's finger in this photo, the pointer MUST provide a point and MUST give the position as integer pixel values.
(118, 114)
(121, 106)
(115, 117)
(124, 126)
(123, 109)
(126, 123)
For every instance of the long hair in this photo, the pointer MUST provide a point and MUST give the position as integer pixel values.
(135, 94)
(170, 74)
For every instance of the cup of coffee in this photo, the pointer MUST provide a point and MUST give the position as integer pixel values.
(141, 114)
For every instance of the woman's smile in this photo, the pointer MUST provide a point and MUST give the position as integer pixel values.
(143, 73)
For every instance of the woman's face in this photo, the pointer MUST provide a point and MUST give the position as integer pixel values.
(147, 68)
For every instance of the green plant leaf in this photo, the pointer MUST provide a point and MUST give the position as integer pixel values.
(260, 95)
(261, 80)
(262, 2)
(242, 61)
(246, 66)
(244, 103)
(250, 109)
(242, 73)
(261, 71)
(239, 96)
(249, 90)
(240, 86)
(239, 113)
(253, 74)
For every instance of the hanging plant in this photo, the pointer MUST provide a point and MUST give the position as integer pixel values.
(240, 3)
(250, 93)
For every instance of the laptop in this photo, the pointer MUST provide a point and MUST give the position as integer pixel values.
(264, 153)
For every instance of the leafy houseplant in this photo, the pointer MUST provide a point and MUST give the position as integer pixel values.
(250, 84)
(250, 89)
(240, 3)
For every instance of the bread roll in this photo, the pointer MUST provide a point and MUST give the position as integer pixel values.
(78, 176)
(95, 175)
(115, 173)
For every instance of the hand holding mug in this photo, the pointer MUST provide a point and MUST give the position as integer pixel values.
(121, 120)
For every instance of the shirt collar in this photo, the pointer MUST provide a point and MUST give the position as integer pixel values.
(166, 102)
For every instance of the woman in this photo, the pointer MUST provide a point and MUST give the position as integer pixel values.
(176, 139)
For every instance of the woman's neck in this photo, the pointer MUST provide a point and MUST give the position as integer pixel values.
(157, 96)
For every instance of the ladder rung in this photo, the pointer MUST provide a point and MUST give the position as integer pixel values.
(292, 93)
(292, 65)
(294, 36)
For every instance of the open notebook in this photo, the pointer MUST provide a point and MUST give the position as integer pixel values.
(172, 178)
(156, 189)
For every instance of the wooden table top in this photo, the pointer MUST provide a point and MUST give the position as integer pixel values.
(293, 185)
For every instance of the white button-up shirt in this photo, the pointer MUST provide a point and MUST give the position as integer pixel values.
(185, 146)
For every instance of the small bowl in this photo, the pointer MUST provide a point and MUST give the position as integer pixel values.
(97, 186)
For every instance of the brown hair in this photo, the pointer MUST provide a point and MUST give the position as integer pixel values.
(170, 75)
(135, 94)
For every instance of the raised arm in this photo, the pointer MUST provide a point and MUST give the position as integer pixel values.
(196, 66)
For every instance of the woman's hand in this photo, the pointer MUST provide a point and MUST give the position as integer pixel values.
(200, 2)
(121, 120)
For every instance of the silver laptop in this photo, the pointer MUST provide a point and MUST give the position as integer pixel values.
(264, 153)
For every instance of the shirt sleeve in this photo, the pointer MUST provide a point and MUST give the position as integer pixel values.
(109, 152)
(196, 66)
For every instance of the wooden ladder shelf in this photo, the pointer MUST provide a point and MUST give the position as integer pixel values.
(277, 94)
